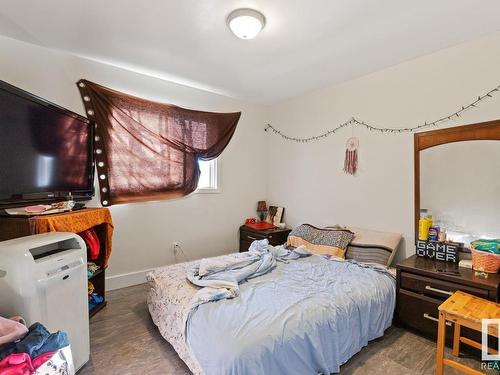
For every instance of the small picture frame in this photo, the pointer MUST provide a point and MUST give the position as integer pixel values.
(275, 215)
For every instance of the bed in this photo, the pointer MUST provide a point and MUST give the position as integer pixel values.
(307, 316)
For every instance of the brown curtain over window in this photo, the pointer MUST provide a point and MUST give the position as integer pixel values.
(146, 150)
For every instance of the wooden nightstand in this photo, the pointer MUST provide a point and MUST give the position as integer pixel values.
(275, 236)
(423, 284)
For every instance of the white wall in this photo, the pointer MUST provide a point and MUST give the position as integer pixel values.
(204, 224)
(307, 179)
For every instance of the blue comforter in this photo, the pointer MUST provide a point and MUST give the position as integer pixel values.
(307, 316)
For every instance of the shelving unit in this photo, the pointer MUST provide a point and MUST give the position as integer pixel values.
(98, 279)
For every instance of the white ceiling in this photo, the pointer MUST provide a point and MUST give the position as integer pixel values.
(306, 44)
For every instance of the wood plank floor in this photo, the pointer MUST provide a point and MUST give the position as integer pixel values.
(124, 340)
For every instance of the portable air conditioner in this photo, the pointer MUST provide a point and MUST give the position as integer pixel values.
(43, 278)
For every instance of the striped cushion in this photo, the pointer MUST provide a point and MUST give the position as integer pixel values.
(371, 246)
(321, 241)
(369, 254)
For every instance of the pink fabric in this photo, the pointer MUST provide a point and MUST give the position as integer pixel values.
(41, 359)
(16, 364)
(21, 363)
(11, 330)
(18, 319)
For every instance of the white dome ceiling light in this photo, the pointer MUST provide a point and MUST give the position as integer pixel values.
(246, 23)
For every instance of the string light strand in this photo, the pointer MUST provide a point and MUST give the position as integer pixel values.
(355, 122)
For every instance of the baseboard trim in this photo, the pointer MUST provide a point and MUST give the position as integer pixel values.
(126, 279)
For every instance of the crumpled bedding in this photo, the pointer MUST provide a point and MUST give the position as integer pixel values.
(219, 277)
(307, 316)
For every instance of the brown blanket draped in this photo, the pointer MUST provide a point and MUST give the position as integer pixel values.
(147, 150)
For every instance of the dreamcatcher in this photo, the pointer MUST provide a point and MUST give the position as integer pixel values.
(351, 156)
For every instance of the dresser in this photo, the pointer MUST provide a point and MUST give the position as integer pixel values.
(276, 236)
(423, 284)
(439, 189)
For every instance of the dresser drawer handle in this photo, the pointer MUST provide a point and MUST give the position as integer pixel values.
(252, 238)
(427, 316)
(448, 293)
(270, 236)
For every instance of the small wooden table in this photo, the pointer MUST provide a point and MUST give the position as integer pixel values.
(464, 310)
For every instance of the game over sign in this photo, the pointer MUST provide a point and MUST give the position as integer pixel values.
(445, 251)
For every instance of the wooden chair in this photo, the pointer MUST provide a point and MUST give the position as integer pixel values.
(464, 310)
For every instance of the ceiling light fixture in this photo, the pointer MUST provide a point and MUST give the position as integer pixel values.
(246, 23)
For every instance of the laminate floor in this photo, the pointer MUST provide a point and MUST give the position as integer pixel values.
(124, 340)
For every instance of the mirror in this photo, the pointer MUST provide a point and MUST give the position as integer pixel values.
(457, 179)
(460, 188)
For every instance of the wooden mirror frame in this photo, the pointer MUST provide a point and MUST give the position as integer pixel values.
(484, 131)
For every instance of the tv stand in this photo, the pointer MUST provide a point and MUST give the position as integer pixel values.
(72, 221)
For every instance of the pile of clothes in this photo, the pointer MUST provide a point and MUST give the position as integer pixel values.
(92, 268)
(23, 351)
(94, 298)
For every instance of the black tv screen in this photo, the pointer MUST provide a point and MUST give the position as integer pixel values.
(46, 152)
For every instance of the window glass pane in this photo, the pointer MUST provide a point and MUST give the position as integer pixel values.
(208, 178)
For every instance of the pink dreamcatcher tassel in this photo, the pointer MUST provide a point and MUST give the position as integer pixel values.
(351, 156)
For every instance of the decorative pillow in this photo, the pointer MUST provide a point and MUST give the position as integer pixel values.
(321, 241)
(371, 246)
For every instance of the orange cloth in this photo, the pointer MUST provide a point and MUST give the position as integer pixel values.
(76, 221)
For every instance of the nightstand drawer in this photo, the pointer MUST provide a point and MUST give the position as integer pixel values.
(420, 313)
(435, 288)
(275, 236)
(251, 236)
(274, 239)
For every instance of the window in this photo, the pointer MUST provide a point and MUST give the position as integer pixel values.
(208, 182)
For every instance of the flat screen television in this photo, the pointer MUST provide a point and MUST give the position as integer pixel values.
(46, 151)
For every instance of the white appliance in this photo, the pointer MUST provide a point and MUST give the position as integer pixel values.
(43, 278)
